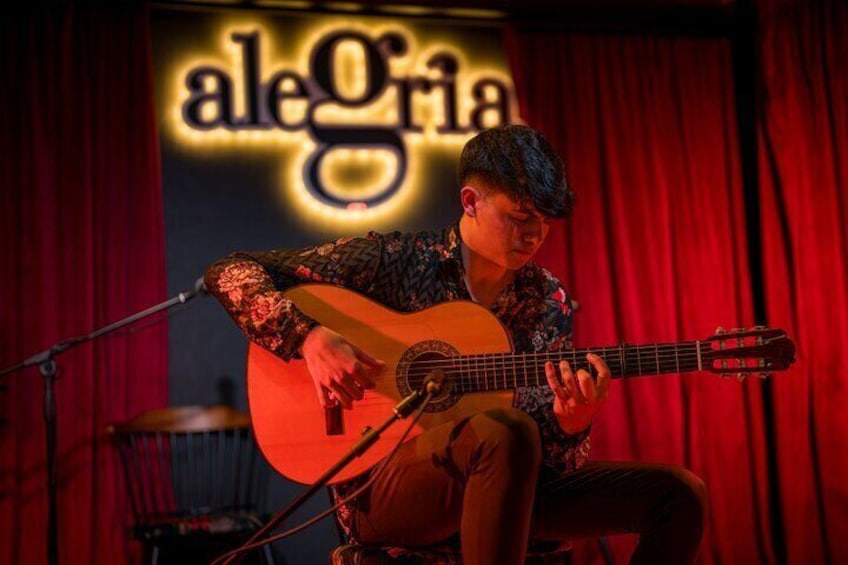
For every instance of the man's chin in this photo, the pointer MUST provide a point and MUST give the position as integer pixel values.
(518, 260)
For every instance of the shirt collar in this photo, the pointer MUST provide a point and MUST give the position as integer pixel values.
(451, 245)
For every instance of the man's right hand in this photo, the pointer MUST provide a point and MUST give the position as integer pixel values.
(338, 367)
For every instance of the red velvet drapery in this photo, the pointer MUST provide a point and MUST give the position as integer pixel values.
(803, 131)
(81, 245)
(656, 251)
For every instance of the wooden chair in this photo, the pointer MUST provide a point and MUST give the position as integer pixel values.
(195, 481)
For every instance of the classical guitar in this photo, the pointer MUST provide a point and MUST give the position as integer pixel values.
(468, 343)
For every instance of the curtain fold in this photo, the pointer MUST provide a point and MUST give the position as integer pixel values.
(656, 251)
(82, 246)
(803, 134)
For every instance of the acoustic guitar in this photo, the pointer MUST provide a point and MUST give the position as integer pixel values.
(301, 439)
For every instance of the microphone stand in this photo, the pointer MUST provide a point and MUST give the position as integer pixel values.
(432, 386)
(47, 367)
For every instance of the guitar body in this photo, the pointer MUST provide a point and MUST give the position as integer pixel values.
(288, 420)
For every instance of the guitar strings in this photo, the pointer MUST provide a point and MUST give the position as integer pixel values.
(612, 353)
(480, 365)
(612, 356)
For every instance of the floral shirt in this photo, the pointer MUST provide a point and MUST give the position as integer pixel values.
(406, 272)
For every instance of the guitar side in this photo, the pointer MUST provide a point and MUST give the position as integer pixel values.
(287, 417)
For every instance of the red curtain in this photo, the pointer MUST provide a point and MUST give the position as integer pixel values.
(656, 251)
(804, 194)
(81, 246)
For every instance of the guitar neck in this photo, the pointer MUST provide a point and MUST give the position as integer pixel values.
(500, 371)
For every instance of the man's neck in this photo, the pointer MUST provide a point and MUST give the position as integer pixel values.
(484, 279)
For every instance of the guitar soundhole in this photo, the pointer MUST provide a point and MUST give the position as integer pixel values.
(417, 362)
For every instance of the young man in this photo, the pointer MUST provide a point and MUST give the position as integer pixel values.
(497, 477)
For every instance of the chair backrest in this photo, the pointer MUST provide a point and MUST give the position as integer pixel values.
(190, 462)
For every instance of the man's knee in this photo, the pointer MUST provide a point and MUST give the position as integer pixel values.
(511, 433)
(689, 494)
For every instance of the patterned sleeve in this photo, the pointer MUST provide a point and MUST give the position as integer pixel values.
(250, 286)
(562, 452)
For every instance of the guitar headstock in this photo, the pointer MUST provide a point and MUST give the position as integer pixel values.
(741, 352)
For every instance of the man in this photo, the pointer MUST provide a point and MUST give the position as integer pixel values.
(498, 477)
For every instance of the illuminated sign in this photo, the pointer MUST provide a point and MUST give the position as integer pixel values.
(363, 102)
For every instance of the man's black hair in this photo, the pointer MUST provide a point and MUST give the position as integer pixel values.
(519, 162)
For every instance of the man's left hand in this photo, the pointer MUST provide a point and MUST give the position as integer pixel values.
(577, 396)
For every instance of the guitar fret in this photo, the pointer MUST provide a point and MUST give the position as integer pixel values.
(481, 366)
(487, 363)
(622, 355)
(614, 363)
(604, 353)
(639, 360)
(491, 380)
(657, 356)
(698, 352)
(676, 358)
(524, 365)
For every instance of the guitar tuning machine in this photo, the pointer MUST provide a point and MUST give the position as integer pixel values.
(740, 377)
(720, 331)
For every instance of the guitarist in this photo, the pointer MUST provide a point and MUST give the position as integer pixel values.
(499, 477)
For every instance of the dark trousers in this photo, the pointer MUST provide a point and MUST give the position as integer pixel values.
(482, 477)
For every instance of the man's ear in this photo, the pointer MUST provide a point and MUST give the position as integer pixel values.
(469, 197)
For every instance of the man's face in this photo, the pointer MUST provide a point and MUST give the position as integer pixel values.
(507, 233)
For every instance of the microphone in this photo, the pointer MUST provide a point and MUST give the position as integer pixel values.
(200, 286)
(431, 387)
(198, 290)
(434, 382)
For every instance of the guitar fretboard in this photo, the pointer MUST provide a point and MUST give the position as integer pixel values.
(501, 371)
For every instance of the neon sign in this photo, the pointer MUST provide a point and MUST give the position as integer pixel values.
(358, 102)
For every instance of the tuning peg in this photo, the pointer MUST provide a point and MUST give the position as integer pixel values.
(720, 331)
(764, 376)
(759, 328)
(740, 377)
